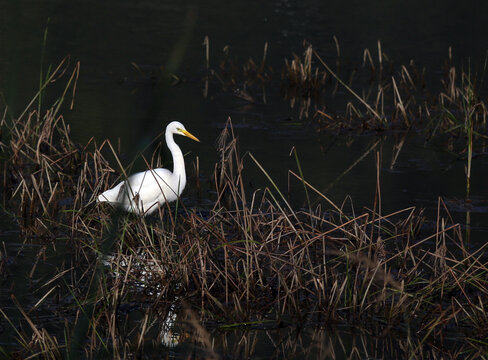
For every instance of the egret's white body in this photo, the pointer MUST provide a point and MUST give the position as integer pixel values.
(145, 191)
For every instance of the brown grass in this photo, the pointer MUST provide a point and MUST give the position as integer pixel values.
(247, 260)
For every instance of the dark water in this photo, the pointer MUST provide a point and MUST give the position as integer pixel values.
(114, 100)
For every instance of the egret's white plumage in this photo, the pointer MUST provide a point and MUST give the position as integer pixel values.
(145, 191)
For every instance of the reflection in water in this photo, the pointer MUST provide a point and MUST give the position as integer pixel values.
(141, 272)
(290, 342)
(185, 332)
(304, 83)
(169, 335)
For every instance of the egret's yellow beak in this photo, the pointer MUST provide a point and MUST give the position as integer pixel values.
(187, 134)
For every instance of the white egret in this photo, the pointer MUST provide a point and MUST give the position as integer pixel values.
(145, 191)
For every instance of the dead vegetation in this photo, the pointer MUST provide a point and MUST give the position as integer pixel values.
(377, 95)
(248, 260)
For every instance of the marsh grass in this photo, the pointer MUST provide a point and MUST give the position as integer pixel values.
(304, 81)
(399, 97)
(245, 81)
(380, 95)
(246, 260)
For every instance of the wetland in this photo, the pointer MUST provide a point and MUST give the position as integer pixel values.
(336, 206)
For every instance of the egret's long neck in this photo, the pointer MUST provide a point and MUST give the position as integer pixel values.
(178, 161)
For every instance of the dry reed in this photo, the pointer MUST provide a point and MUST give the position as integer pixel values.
(246, 260)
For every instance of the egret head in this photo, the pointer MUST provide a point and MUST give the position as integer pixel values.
(175, 127)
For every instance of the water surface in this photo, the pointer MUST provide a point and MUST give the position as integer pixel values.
(116, 101)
